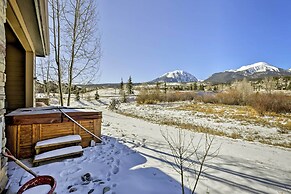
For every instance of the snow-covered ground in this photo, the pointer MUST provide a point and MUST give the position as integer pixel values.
(170, 112)
(134, 158)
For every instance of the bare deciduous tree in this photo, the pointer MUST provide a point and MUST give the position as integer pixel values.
(244, 88)
(43, 72)
(189, 156)
(82, 41)
(76, 42)
(269, 84)
(56, 10)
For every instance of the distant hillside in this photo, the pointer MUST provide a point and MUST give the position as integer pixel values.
(176, 76)
(253, 71)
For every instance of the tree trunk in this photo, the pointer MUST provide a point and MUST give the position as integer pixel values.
(57, 44)
(76, 19)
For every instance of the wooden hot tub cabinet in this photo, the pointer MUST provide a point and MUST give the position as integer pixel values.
(25, 127)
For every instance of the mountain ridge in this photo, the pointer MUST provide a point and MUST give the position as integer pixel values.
(176, 76)
(252, 71)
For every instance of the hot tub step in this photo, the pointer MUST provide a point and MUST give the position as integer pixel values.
(59, 141)
(58, 153)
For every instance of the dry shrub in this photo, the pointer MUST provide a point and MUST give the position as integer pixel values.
(114, 104)
(148, 97)
(237, 95)
(287, 126)
(242, 94)
(276, 102)
(261, 102)
(208, 98)
(155, 96)
(179, 96)
(231, 97)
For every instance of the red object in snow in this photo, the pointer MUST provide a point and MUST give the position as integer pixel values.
(37, 181)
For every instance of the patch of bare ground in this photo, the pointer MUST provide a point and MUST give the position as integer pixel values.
(237, 122)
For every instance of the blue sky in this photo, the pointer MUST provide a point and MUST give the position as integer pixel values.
(147, 38)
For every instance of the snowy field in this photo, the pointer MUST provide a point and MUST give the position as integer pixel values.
(171, 113)
(134, 158)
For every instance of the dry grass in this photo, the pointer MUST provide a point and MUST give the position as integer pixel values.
(241, 95)
(261, 102)
(235, 135)
(244, 114)
(192, 127)
(156, 96)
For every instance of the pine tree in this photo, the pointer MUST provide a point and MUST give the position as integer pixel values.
(165, 87)
(201, 87)
(121, 85)
(215, 88)
(129, 85)
(195, 87)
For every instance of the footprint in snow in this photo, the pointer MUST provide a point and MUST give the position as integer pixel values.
(110, 160)
(115, 169)
(69, 171)
(68, 161)
(108, 174)
(81, 160)
(117, 161)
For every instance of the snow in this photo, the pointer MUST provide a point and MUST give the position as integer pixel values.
(46, 110)
(58, 140)
(59, 152)
(39, 189)
(134, 158)
(173, 74)
(180, 76)
(169, 112)
(257, 67)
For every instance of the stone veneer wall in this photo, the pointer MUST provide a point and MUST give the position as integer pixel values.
(3, 161)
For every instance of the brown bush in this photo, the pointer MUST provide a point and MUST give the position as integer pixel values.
(179, 96)
(148, 97)
(261, 102)
(231, 97)
(155, 96)
(276, 102)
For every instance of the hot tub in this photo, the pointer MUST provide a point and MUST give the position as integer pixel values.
(26, 126)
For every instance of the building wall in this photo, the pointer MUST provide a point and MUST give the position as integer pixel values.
(3, 161)
(18, 44)
(15, 72)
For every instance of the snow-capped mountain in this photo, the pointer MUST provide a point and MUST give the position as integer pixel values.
(256, 68)
(289, 70)
(252, 71)
(176, 76)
